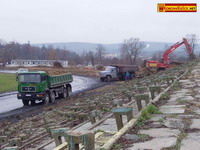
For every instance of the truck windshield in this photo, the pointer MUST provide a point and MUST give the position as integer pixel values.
(108, 69)
(29, 78)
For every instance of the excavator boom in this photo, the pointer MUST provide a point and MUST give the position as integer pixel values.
(174, 47)
(165, 64)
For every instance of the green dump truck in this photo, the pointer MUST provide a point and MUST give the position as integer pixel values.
(40, 86)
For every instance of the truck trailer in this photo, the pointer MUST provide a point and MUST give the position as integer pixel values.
(117, 72)
(40, 86)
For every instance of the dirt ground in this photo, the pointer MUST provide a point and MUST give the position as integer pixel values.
(77, 106)
(56, 71)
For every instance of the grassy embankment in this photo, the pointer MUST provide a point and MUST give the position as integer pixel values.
(7, 82)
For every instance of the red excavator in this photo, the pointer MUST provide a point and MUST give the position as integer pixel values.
(166, 63)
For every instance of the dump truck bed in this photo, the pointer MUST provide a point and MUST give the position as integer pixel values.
(126, 68)
(59, 80)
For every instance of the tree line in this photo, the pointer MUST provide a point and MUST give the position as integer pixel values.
(130, 51)
(14, 50)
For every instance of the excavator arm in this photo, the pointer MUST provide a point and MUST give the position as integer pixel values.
(175, 46)
(164, 64)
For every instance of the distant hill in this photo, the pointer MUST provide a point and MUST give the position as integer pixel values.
(79, 47)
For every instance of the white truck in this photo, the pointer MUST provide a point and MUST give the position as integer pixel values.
(117, 72)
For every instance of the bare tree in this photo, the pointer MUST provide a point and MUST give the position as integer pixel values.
(192, 40)
(131, 48)
(91, 57)
(100, 50)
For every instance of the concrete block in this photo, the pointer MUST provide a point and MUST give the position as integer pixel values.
(57, 134)
(116, 103)
(119, 111)
(141, 89)
(85, 137)
(82, 117)
(2, 132)
(3, 139)
(11, 148)
(8, 134)
(154, 89)
(139, 98)
(93, 115)
(15, 142)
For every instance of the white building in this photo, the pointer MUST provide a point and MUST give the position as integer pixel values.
(33, 63)
(111, 55)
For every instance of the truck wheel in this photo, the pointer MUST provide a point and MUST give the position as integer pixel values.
(53, 97)
(32, 102)
(64, 94)
(108, 78)
(102, 79)
(46, 99)
(69, 91)
(25, 102)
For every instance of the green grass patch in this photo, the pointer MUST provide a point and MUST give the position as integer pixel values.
(106, 109)
(7, 82)
(152, 109)
(181, 101)
(164, 96)
(181, 136)
(176, 86)
(146, 114)
(117, 146)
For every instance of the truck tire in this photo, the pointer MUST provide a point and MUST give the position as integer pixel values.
(32, 102)
(108, 78)
(53, 97)
(102, 79)
(69, 91)
(25, 102)
(64, 94)
(46, 99)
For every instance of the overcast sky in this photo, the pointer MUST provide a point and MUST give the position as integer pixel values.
(96, 21)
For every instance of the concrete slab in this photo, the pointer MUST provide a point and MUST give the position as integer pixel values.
(84, 127)
(184, 91)
(173, 123)
(161, 132)
(182, 96)
(187, 98)
(197, 111)
(157, 117)
(195, 124)
(191, 142)
(154, 144)
(184, 81)
(172, 109)
(162, 138)
(110, 124)
(197, 96)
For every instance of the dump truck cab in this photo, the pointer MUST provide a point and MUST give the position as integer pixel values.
(108, 73)
(117, 72)
(40, 86)
(32, 85)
